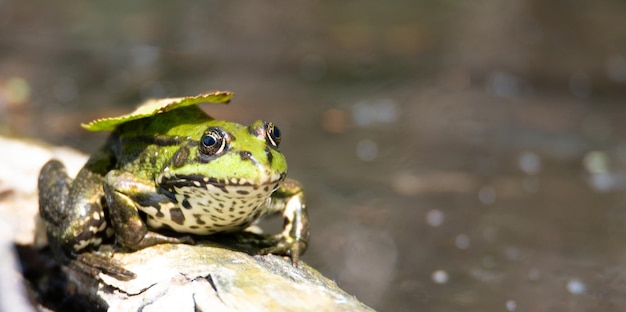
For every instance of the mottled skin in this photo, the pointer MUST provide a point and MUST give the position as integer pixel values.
(180, 171)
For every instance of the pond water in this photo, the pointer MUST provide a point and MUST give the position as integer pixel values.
(456, 156)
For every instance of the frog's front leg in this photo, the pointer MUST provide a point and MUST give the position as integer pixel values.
(125, 193)
(289, 200)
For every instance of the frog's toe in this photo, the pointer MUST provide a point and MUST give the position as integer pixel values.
(153, 238)
(285, 246)
(95, 263)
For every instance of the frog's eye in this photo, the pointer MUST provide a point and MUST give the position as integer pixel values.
(213, 142)
(272, 134)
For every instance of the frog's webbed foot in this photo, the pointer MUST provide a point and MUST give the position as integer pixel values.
(262, 244)
(286, 246)
(101, 261)
(94, 263)
(153, 238)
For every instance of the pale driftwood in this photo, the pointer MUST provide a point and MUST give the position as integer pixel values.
(187, 278)
(169, 277)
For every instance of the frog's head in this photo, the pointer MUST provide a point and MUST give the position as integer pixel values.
(237, 165)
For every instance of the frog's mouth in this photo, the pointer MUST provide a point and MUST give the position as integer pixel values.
(200, 181)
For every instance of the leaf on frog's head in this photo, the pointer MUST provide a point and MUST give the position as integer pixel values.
(155, 107)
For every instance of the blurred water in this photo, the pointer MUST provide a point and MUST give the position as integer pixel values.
(456, 155)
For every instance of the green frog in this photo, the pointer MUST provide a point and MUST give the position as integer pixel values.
(170, 173)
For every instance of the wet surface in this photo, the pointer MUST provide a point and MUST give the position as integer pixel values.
(455, 155)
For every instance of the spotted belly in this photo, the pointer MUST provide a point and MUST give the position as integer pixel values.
(209, 209)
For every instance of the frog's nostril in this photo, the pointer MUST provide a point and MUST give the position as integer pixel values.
(245, 155)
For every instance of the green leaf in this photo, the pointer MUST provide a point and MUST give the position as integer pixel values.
(157, 106)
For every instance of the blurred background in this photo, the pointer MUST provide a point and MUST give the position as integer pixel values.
(456, 155)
